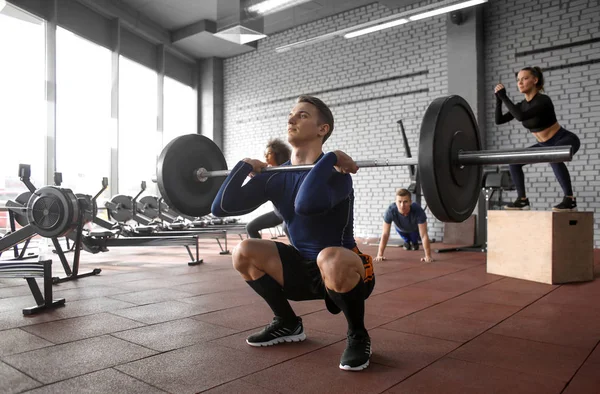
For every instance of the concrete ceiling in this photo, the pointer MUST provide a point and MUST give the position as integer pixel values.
(191, 24)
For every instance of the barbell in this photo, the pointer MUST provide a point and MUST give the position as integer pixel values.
(190, 169)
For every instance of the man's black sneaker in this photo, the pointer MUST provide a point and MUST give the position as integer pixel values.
(567, 204)
(278, 331)
(414, 247)
(357, 354)
(406, 246)
(519, 204)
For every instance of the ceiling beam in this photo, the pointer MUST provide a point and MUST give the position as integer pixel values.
(200, 26)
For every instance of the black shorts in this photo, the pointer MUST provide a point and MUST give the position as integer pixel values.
(302, 278)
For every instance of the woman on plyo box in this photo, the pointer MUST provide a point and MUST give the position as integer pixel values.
(536, 112)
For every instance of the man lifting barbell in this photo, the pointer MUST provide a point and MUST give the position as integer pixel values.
(323, 261)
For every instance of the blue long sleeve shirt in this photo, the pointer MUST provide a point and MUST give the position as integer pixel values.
(317, 205)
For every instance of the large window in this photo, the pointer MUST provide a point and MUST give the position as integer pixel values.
(180, 108)
(84, 130)
(139, 140)
(22, 101)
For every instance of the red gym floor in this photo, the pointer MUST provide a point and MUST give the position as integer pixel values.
(151, 324)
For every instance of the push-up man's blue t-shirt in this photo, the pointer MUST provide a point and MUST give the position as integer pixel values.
(406, 224)
(316, 205)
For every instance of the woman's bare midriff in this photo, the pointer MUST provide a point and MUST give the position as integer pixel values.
(546, 134)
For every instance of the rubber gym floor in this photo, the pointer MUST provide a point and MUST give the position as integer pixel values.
(149, 323)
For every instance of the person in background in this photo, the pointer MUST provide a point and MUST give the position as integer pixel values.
(410, 222)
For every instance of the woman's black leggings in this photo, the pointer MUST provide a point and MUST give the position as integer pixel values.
(561, 138)
(268, 220)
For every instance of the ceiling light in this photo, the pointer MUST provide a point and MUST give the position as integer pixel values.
(377, 22)
(303, 43)
(371, 29)
(240, 35)
(2, 4)
(271, 6)
(246, 38)
(445, 10)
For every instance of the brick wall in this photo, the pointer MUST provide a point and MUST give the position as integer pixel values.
(370, 82)
(562, 37)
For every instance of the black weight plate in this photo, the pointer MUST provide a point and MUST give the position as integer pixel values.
(148, 206)
(124, 208)
(451, 191)
(52, 211)
(175, 174)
